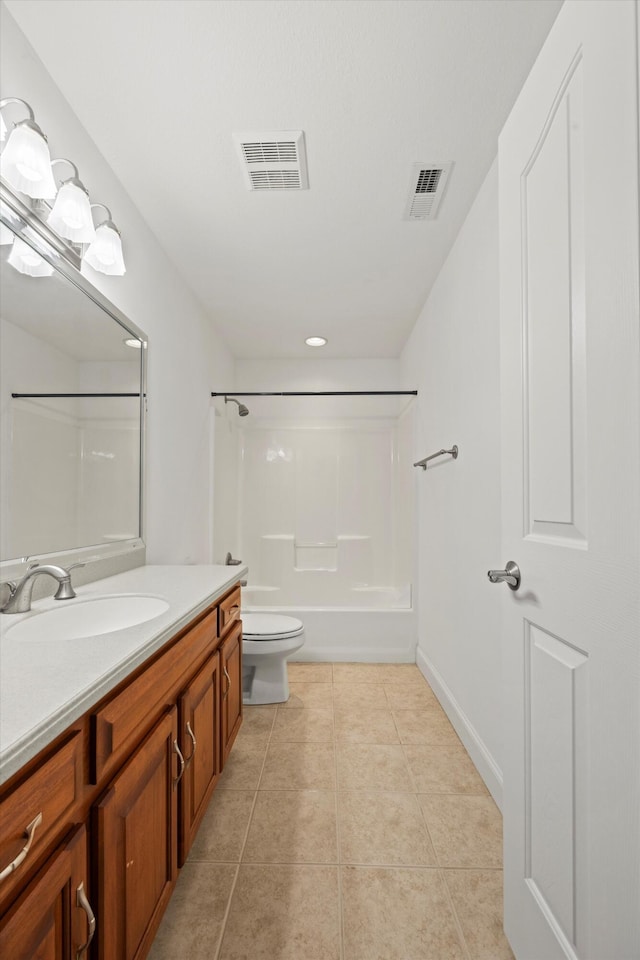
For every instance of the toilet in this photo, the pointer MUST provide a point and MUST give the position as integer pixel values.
(267, 640)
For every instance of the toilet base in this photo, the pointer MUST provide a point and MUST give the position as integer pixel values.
(265, 683)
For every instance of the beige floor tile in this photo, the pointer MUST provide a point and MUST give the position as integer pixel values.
(192, 925)
(368, 766)
(397, 914)
(410, 696)
(310, 672)
(303, 725)
(368, 695)
(429, 725)
(359, 672)
(299, 766)
(257, 722)
(466, 831)
(362, 725)
(224, 827)
(308, 694)
(283, 912)
(383, 828)
(402, 673)
(443, 769)
(477, 898)
(293, 826)
(242, 769)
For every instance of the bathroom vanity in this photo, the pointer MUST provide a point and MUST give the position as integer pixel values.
(110, 749)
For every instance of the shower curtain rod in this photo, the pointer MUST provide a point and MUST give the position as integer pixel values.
(319, 393)
(20, 396)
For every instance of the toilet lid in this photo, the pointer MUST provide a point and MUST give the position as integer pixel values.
(265, 625)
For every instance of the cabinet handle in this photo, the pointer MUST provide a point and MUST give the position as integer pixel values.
(83, 903)
(193, 741)
(228, 679)
(182, 764)
(234, 609)
(29, 833)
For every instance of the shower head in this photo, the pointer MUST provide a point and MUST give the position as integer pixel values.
(242, 410)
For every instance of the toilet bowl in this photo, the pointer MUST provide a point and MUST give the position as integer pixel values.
(267, 640)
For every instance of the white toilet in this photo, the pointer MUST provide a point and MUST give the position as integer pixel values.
(267, 640)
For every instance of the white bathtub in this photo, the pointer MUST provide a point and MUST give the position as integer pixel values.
(371, 630)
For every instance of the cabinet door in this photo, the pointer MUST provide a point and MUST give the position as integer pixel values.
(136, 852)
(200, 736)
(231, 660)
(52, 919)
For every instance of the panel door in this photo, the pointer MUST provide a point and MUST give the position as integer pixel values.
(231, 660)
(136, 853)
(570, 486)
(50, 920)
(201, 745)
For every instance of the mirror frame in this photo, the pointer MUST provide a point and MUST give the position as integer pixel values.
(26, 224)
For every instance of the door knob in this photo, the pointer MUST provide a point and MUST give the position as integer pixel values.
(510, 575)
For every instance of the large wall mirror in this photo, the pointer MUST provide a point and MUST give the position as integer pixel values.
(72, 381)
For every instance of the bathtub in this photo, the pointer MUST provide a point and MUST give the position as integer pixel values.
(370, 624)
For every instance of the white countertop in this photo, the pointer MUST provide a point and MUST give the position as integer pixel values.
(45, 685)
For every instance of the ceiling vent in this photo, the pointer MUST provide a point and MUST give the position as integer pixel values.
(426, 189)
(273, 161)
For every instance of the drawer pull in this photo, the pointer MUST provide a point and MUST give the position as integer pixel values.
(22, 856)
(193, 741)
(228, 687)
(83, 903)
(183, 765)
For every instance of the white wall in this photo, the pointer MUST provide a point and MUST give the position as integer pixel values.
(186, 357)
(453, 358)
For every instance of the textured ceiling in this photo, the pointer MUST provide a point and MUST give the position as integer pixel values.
(376, 85)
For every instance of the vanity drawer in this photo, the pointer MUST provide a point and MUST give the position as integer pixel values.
(43, 805)
(122, 721)
(229, 610)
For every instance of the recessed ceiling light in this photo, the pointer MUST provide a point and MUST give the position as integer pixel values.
(316, 341)
(132, 342)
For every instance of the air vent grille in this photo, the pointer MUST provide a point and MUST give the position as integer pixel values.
(426, 189)
(273, 161)
(275, 179)
(270, 152)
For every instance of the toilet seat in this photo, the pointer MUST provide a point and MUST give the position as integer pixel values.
(270, 626)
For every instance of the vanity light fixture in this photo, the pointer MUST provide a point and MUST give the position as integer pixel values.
(316, 341)
(26, 167)
(25, 162)
(25, 260)
(105, 252)
(71, 216)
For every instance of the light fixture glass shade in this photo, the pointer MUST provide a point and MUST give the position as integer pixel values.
(3, 129)
(25, 260)
(25, 162)
(71, 216)
(105, 253)
(316, 341)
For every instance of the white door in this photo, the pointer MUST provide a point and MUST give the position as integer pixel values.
(571, 492)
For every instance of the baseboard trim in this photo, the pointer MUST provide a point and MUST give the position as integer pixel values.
(475, 746)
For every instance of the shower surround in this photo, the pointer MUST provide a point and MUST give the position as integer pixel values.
(326, 526)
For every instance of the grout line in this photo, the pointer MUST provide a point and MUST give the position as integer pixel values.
(242, 848)
(454, 913)
(338, 844)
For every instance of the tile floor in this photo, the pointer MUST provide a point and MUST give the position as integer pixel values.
(349, 824)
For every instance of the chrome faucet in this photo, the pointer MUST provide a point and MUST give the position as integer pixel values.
(20, 593)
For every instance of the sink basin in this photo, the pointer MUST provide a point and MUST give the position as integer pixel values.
(73, 620)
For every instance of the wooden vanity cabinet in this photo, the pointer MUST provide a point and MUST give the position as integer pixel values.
(201, 745)
(136, 840)
(231, 661)
(52, 920)
(122, 795)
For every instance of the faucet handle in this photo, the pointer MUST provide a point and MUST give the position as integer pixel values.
(74, 565)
